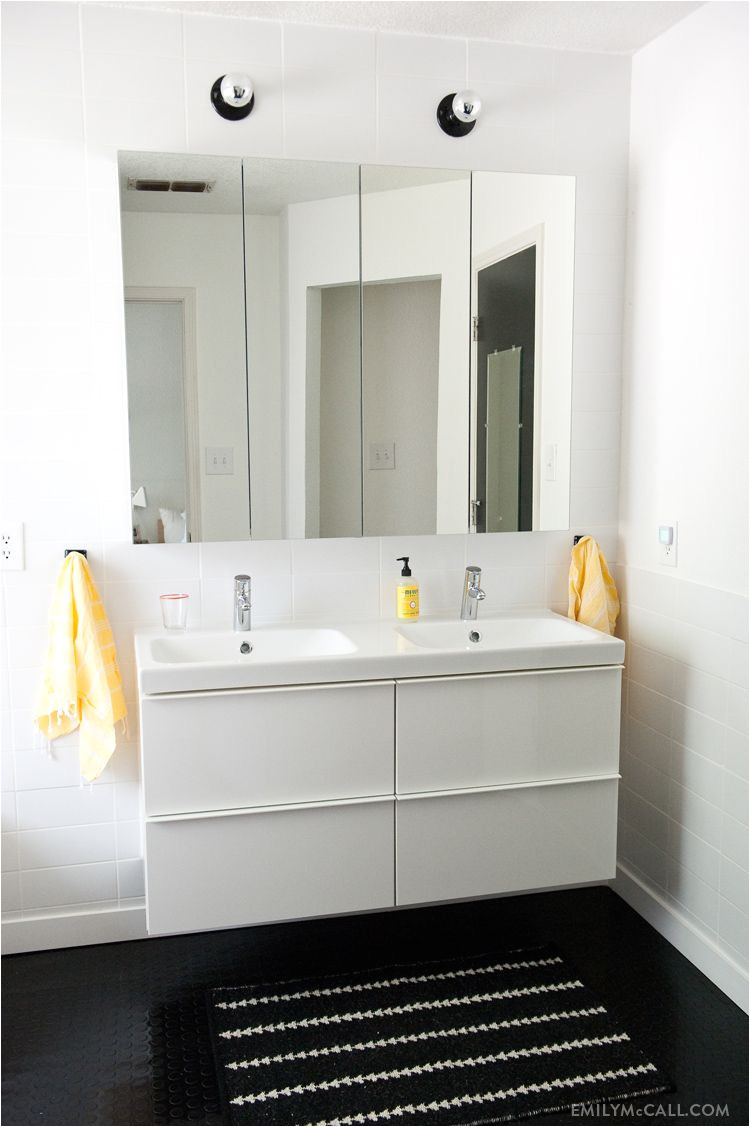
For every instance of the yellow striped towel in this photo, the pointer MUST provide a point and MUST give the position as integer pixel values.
(81, 683)
(592, 595)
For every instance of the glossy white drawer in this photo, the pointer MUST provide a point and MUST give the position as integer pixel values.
(492, 729)
(479, 844)
(261, 747)
(243, 868)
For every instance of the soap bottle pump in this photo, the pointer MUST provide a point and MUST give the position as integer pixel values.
(407, 592)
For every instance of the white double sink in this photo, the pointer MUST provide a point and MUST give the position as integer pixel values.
(293, 654)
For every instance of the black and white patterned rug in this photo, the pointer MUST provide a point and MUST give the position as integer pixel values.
(475, 1040)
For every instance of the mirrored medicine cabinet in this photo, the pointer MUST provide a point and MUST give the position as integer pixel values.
(320, 349)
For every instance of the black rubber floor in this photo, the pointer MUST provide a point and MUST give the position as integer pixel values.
(117, 1034)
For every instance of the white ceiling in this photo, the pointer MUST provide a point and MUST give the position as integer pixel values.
(585, 25)
(270, 185)
(225, 199)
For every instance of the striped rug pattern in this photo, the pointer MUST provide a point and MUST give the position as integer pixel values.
(475, 1040)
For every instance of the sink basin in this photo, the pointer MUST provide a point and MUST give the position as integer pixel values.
(208, 660)
(493, 633)
(321, 653)
(267, 645)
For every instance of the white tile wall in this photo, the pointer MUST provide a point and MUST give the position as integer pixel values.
(254, 41)
(684, 456)
(321, 92)
(422, 56)
(684, 793)
(126, 29)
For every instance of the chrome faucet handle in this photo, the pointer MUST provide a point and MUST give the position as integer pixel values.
(472, 593)
(473, 576)
(242, 602)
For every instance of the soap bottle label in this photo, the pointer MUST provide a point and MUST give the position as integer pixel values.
(408, 602)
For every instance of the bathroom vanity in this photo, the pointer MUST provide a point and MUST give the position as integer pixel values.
(333, 771)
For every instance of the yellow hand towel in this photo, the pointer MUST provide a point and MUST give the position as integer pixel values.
(82, 683)
(592, 595)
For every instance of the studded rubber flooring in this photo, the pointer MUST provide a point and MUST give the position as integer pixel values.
(117, 1034)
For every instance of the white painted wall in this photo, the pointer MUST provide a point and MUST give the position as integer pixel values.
(322, 249)
(204, 252)
(684, 812)
(266, 397)
(424, 232)
(313, 392)
(340, 418)
(156, 412)
(338, 94)
(684, 453)
(401, 405)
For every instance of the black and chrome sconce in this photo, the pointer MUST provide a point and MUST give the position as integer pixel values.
(457, 113)
(232, 96)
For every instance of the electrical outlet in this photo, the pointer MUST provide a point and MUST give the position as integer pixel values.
(11, 548)
(668, 543)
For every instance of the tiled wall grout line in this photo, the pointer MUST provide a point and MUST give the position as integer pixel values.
(689, 870)
(282, 28)
(185, 81)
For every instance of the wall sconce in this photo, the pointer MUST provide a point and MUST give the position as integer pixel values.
(232, 96)
(457, 113)
(138, 498)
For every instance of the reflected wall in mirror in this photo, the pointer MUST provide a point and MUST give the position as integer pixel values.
(185, 339)
(394, 358)
(303, 336)
(415, 333)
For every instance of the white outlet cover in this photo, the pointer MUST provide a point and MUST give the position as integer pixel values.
(11, 548)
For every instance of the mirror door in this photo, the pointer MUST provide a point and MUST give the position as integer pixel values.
(181, 219)
(339, 325)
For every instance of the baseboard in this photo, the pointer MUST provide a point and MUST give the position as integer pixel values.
(73, 929)
(689, 940)
(79, 929)
(46, 931)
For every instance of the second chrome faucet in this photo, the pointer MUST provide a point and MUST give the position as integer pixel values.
(242, 602)
(472, 594)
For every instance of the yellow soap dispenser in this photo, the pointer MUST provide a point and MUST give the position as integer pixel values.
(407, 592)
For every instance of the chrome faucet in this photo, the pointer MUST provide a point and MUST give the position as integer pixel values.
(472, 594)
(242, 603)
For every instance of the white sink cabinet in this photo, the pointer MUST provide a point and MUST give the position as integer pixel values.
(287, 801)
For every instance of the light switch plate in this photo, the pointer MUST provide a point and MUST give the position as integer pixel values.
(668, 552)
(382, 455)
(219, 459)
